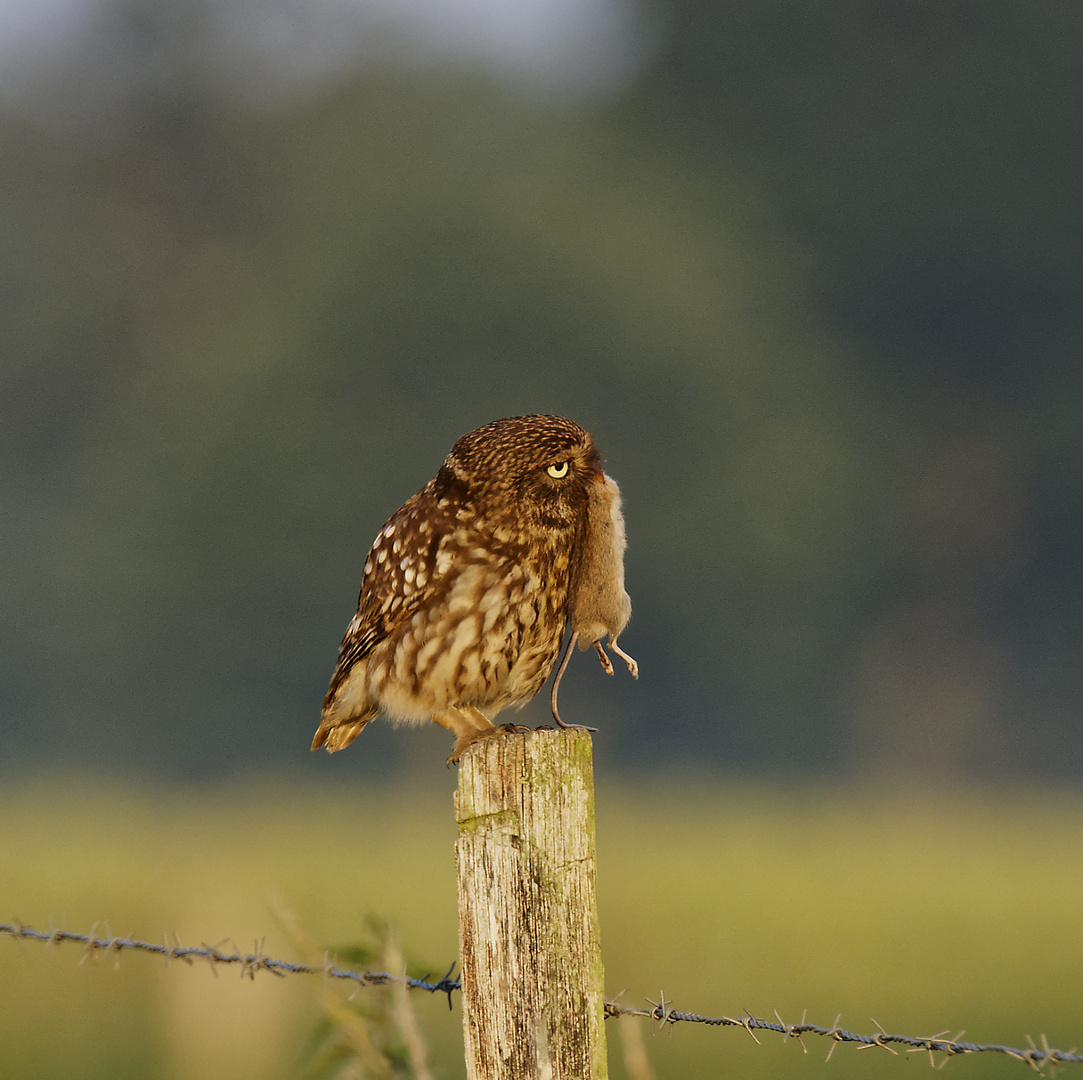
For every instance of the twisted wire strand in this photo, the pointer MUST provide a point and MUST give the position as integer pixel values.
(662, 1011)
(1035, 1056)
(248, 963)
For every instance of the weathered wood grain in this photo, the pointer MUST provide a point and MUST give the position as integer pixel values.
(528, 919)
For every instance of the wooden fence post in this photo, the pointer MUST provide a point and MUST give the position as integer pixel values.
(533, 994)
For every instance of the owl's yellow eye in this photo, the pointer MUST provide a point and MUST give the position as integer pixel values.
(558, 471)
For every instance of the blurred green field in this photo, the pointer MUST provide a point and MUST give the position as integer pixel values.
(926, 912)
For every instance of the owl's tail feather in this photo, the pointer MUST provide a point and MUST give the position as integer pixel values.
(335, 735)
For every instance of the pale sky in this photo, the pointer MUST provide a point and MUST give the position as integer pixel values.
(554, 47)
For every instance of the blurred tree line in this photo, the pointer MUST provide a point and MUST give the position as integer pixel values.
(812, 279)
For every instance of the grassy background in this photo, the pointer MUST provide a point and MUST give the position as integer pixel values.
(927, 911)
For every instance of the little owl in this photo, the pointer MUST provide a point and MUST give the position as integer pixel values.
(468, 588)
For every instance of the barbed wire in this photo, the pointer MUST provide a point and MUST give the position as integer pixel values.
(662, 1011)
(1035, 1056)
(248, 963)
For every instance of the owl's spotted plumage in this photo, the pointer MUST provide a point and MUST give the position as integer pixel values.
(467, 589)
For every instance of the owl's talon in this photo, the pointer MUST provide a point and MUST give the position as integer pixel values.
(468, 740)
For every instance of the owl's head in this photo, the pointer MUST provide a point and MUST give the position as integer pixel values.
(525, 470)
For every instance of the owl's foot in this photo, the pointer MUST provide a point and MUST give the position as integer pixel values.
(467, 724)
(457, 750)
(469, 738)
(464, 741)
(566, 727)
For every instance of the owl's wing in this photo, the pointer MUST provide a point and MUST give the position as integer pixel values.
(361, 636)
(401, 573)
